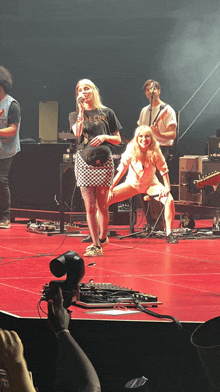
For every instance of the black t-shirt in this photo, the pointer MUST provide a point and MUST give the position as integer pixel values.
(14, 115)
(96, 122)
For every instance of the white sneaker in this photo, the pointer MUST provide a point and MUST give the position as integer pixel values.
(5, 224)
(101, 244)
(90, 246)
(94, 251)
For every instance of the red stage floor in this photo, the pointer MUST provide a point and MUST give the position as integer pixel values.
(185, 276)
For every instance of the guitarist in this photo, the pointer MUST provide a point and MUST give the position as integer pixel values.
(161, 117)
(164, 127)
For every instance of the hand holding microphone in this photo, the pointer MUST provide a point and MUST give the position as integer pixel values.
(80, 100)
(79, 104)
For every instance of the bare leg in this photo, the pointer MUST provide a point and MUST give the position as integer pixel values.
(103, 213)
(169, 209)
(121, 192)
(89, 198)
(169, 213)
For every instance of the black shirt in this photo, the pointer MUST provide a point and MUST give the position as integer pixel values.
(96, 122)
(14, 115)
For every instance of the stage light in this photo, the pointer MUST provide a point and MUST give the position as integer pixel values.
(72, 265)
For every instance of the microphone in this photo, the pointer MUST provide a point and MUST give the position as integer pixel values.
(153, 88)
(152, 95)
(81, 99)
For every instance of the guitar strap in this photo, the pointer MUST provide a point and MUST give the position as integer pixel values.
(158, 113)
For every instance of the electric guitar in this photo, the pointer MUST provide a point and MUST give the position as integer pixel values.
(209, 179)
(161, 117)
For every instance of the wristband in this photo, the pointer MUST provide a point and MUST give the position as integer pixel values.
(62, 331)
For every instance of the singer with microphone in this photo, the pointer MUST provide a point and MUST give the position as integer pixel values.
(97, 129)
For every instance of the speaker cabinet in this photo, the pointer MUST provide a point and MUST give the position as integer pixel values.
(190, 168)
(34, 176)
(48, 121)
(70, 194)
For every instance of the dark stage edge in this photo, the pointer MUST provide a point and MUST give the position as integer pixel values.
(119, 350)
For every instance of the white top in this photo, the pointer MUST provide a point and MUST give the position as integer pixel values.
(137, 174)
(169, 118)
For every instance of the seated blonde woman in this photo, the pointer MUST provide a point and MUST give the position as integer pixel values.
(140, 159)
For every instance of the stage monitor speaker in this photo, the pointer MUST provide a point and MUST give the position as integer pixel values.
(190, 168)
(214, 148)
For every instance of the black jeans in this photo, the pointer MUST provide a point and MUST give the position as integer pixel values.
(5, 198)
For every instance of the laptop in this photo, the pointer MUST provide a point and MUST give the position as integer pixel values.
(214, 148)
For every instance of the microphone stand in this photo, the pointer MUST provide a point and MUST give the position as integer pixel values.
(150, 109)
(133, 213)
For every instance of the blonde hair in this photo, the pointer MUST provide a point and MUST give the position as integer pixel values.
(153, 150)
(97, 101)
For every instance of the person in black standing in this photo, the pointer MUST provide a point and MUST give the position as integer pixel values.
(10, 119)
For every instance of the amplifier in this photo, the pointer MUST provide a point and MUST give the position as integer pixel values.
(70, 194)
(191, 167)
(67, 158)
(214, 148)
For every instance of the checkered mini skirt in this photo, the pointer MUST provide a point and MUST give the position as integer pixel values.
(87, 175)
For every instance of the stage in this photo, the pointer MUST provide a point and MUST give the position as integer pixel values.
(184, 277)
